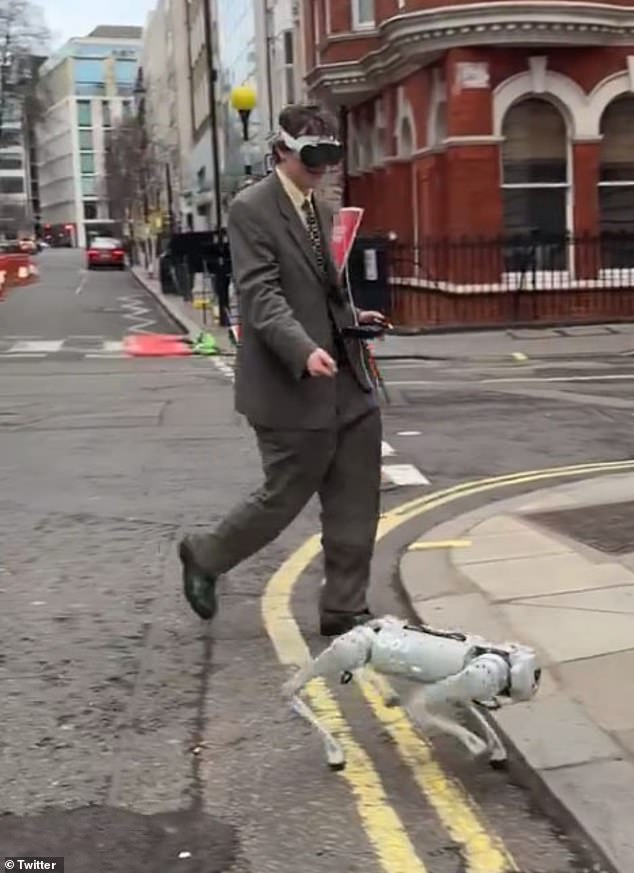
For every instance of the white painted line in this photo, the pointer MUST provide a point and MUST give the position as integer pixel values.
(595, 378)
(405, 474)
(414, 382)
(403, 365)
(37, 346)
(106, 355)
(386, 450)
(409, 433)
(112, 346)
(80, 287)
(23, 355)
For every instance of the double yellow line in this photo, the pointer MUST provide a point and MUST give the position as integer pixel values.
(482, 851)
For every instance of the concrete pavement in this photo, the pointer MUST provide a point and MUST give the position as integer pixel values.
(504, 344)
(554, 569)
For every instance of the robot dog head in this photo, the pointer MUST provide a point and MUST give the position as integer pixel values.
(525, 673)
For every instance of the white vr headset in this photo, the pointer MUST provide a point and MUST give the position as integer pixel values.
(314, 151)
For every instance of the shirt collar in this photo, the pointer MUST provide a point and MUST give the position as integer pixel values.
(297, 197)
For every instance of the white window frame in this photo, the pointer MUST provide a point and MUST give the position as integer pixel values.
(357, 23)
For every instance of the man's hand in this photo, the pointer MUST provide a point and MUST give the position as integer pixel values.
(369, 316)
(320, 363)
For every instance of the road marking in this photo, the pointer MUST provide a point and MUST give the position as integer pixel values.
(136, 309)
(422, 545)
(23, 354)
(483, 851)
(45, 347)
(440, 383)
(386, 450)
(404, 474)
(596, 378)
(399, 383)
(409, 433)
(82, 283)
(380, 821)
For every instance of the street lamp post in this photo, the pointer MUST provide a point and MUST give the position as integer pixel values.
(244, 100)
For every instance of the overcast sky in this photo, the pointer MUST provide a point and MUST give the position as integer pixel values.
(66, 18)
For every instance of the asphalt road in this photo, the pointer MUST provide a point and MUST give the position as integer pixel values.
(72, 311)
(137, 738)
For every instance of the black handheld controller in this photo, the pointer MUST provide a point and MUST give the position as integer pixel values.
(363, 331)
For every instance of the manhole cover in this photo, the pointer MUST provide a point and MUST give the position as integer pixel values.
(104, 839)
(608, 528)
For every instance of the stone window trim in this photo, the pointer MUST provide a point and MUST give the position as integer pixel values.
(583, 111)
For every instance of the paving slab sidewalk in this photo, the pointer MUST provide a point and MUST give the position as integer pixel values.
(554, 569)
(506, 343)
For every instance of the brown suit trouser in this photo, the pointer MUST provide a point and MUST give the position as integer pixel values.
(342, 466)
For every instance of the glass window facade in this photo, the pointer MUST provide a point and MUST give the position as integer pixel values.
(237, 63)
(85, 139)
(11, 185)
(84, 113)
(88, 186)
(125, 72)
(87, 161)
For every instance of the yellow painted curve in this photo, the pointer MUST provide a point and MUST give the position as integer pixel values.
(483, 851)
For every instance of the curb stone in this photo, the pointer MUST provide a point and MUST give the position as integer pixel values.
(580, 776)
(191, 327)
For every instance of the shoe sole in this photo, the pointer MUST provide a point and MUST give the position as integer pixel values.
(188, 590)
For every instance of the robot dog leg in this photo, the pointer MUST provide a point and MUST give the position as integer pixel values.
(345, 655)
(483, 678)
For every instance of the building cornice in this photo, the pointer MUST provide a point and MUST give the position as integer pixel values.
(417, 38)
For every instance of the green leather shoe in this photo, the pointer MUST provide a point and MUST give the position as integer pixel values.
(199, 587)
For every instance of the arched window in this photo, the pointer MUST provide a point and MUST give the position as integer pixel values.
(406, 139)
(535, 170)
(616, 185)
(379, 145)
(438, 126)
(365, 138)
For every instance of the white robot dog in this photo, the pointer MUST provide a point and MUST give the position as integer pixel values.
(454, 669)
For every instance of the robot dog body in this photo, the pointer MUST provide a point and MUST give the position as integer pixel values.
(449, 667)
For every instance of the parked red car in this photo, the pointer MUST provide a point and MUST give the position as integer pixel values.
(105, 252)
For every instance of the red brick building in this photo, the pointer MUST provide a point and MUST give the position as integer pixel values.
(485, 119)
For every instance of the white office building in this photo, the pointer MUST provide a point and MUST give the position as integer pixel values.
(15, 207)
(87, 88)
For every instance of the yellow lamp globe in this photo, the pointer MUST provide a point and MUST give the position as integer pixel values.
(243, 98)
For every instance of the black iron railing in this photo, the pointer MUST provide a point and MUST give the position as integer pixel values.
(531, 262)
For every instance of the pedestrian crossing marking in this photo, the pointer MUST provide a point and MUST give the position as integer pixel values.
(386, 450)
(405, 474)
(45, 347)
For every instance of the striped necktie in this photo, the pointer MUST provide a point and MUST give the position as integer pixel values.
(314, 233)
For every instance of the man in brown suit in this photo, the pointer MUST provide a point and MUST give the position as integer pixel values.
(304, 388)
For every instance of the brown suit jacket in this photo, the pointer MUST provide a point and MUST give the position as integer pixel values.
(283, 302)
